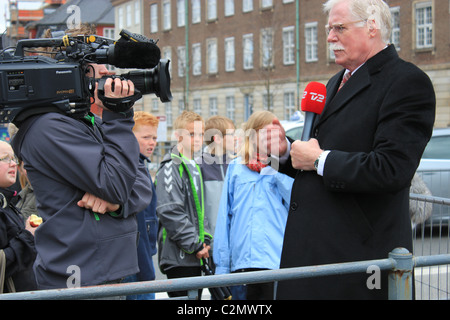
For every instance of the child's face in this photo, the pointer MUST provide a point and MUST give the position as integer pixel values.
(191, 138)
(229, 141)
(147, 138)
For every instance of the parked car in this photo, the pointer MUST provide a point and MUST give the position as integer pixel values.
(434, 169)
(293, 129)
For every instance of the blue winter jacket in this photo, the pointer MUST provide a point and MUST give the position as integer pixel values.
(251, 219)
(148, 232)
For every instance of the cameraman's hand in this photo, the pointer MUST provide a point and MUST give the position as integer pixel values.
(96, 204)
(120, 89)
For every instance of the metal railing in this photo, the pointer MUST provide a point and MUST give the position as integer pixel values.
(400, 262)
(432, 238)
(428, 266)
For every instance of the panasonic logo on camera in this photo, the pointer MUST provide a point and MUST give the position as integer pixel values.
(64, 72)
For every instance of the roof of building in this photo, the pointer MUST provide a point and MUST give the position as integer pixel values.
(92, 12)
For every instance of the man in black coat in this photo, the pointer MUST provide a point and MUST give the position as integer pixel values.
(350, 196)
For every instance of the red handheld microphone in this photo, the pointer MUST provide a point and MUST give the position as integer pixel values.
(313, 102)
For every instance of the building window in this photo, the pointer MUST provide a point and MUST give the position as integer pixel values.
(213, 108)
(181, 52)
(424, 25)
(198, 106)
(196, 11)
(229, 8)
(289, 105)
(120, 18)
(155, 105)
(268, 102)
(108, 33)
(212, 56)
(181, 13)
(248, 51)
(180, 106)
(212, 10)
(196, 59)
(265, 4)
(154, 18)
(247, 5)
(169, 115)
(229, 54)
(248, 106)
(395, 36)
(231, 108)
(288, 46)
(311, 42)
(166, 16)
(129, 20)
(137, 12)
(267, 48)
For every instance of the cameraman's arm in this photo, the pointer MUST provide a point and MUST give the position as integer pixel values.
(139, 197)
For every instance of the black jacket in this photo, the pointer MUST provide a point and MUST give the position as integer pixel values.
(17, 243)
(376, 127)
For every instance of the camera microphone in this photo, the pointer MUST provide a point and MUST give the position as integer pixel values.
(128, 55)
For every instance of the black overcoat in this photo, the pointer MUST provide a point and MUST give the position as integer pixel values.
(376, 127)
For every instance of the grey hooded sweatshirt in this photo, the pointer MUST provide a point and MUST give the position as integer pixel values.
(180, 209)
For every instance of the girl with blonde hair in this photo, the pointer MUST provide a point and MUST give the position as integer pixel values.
(252, 212)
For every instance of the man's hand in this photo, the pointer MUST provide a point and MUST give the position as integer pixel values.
(120, 89)
(304, 154)
(272, 139)
(96, 204)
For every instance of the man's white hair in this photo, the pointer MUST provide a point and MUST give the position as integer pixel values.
(375, 12)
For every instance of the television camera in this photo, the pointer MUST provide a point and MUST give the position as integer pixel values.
(55, 80)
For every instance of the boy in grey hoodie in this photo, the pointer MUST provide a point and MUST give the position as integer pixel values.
(184, 236)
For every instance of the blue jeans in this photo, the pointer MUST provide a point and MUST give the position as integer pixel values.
(142, 296)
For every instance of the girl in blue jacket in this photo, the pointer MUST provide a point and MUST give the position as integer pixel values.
(252, 212)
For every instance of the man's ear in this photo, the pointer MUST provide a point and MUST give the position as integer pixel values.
(373, 27)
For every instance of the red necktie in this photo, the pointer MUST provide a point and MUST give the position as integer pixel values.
(347, 76)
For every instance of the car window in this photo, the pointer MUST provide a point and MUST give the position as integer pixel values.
(295, 133)
(438, 148)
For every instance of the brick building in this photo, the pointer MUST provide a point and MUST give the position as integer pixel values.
(243, 55)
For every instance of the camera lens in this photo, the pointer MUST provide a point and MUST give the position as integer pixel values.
(156, 80)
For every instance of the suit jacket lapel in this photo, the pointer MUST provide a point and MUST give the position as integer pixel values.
(357, 82)
(338, 100)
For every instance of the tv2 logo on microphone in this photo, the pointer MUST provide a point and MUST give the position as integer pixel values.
(314, 96)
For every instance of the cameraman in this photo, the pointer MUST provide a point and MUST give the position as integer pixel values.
(76, 164)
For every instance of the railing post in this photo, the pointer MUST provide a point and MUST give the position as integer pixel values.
(400, 278)
(193, 294)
